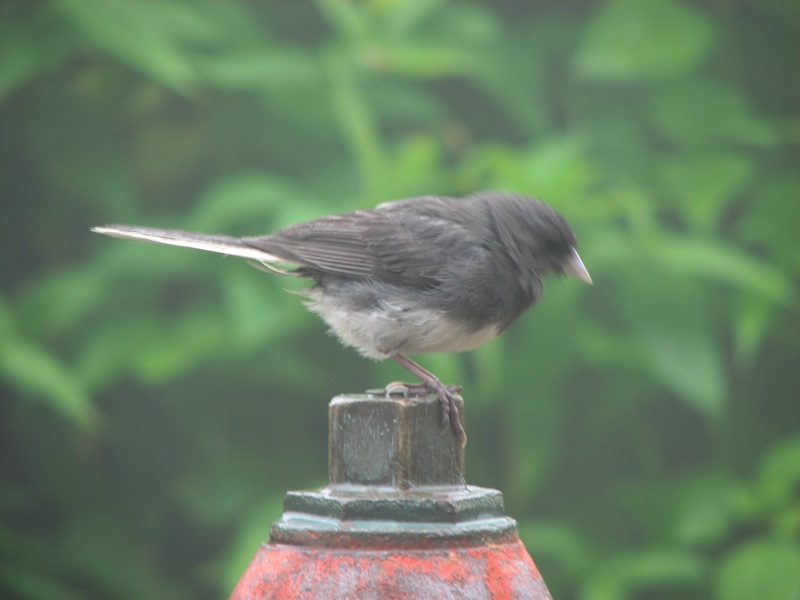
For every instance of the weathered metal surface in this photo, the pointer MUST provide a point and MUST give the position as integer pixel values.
(424, 505)
(374, 532)
(395, 442)
(396, 521)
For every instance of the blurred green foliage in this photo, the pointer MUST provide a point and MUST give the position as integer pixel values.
(157, 402)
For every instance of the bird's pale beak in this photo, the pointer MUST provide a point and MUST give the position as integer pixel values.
(573, 266)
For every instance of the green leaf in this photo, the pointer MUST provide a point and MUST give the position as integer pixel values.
(6, 320)
(755, 318)
(554, 168)
(699, 111)
(150, 35)
(624, 575)
(252, 531)
(701, 507)
(421, 58)
(771, 220)
(95, 546)
(678, 345)
(349, 19)
(32, 583)
(413, 168)
(108, 351)
(779, 475)
(718, 262)
(642, 38)
(279, 69)
(689, 361)
(37, 372)
(61, 300)
(258, 309)
(559, 541)
(705, 185)
(557, 168)
(403, 17)
(214, 494)
(32, 42)
(180, 346)
(763, 569)
(357, 120)
(253, 199)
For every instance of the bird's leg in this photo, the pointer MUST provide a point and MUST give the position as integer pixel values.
(446, 394)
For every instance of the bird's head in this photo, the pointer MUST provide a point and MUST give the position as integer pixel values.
(540, 238)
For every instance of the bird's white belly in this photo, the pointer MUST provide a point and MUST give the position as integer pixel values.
(398, 330)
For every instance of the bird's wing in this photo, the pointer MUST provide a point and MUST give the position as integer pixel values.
(396, 246)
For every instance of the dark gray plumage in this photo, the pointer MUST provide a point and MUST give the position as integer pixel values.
(427, 274)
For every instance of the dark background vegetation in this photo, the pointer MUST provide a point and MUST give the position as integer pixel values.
(157, 402)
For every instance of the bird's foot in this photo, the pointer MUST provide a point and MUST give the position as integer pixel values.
(447, 399)
(450, 414)
(407, 390)
(446, 394)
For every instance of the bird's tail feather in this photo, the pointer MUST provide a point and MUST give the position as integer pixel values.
(212, 243)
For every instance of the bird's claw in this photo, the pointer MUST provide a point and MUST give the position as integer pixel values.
(447, 399)
(407, 390)
(398, 388)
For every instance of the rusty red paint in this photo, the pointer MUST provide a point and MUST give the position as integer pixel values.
(493, 571)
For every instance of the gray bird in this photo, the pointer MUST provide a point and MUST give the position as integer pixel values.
(427, 274)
